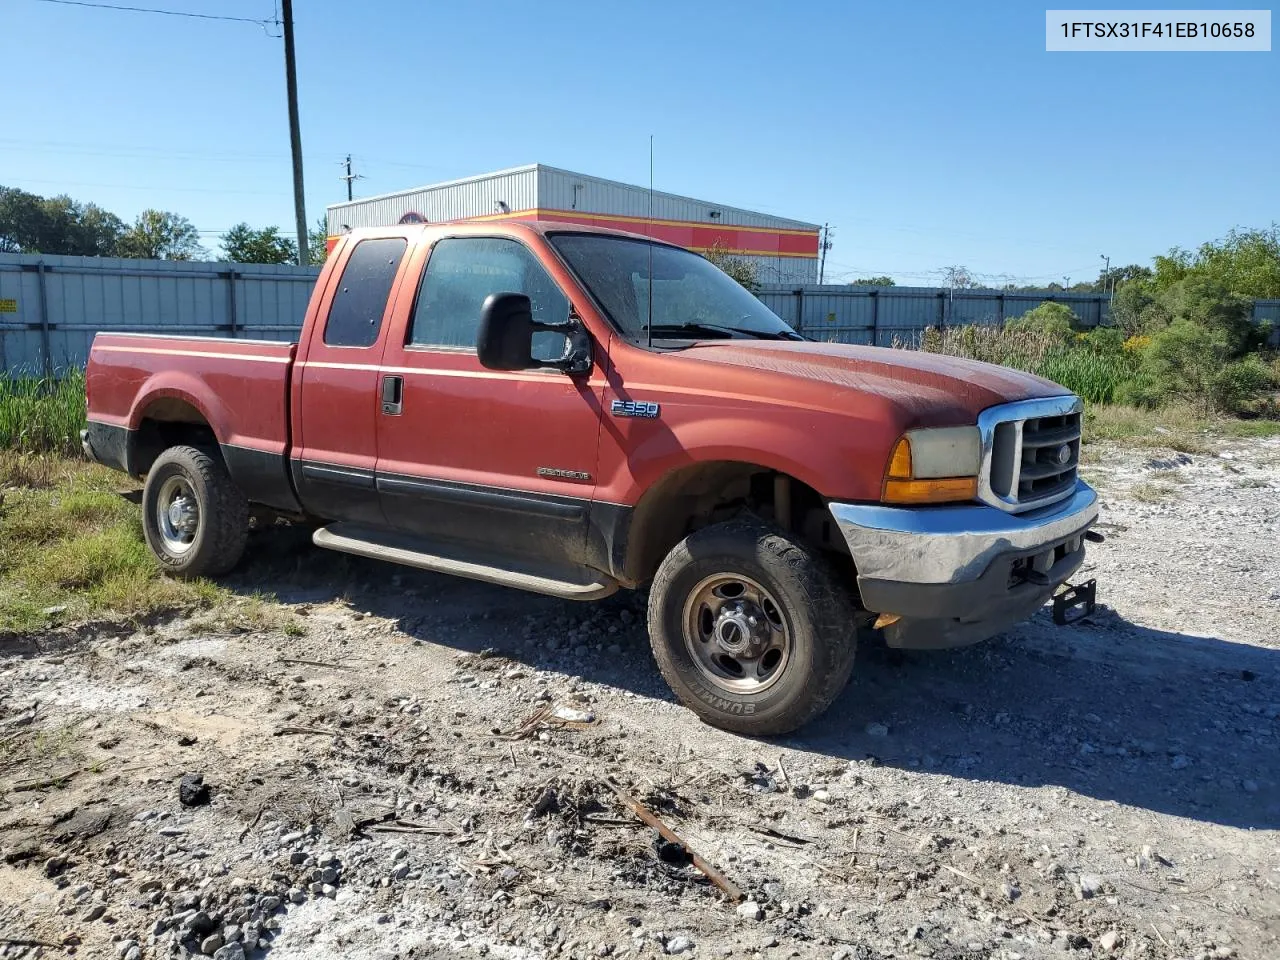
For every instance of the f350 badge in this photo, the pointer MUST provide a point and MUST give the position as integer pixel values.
(635, 408)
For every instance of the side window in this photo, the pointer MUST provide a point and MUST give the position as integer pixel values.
(462, 272)
(356, 313)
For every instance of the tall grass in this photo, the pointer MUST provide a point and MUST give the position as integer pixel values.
(1083, 366)
(1094, 376)
(42, 414)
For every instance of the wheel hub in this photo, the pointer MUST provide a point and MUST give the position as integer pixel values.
(741, 630)
(182, 514)
(177, 515)
(736, 634)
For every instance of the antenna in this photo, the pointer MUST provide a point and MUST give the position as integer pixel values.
(648, 229)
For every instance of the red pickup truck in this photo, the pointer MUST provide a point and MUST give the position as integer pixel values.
(571, 411)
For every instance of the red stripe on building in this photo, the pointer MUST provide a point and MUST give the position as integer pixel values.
(699, 236)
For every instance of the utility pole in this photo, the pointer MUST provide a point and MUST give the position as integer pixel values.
(824, 246)
(349, 177)
(295, 135)
(1106, 279)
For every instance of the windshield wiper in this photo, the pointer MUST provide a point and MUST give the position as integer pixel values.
(715, 329)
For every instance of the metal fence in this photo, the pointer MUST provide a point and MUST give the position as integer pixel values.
(50, 307)
(884, 316)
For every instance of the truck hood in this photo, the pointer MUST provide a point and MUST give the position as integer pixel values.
(926, 387)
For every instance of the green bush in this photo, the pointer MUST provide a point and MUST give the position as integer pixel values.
(1193, 362)
(1105, 340)
(1207, 302)
(1052, 319)
(1235, 386)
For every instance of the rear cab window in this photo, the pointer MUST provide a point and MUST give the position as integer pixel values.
(360, 303)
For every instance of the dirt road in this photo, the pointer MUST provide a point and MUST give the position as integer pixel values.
(402, 764)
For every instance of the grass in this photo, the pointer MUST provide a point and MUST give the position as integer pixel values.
(1151, 492)
(42, 414)
(1175, 428)
(71, 549)
(1249, 429)
(258, 613)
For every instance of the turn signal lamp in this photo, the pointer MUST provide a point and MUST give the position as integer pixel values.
(938, 465)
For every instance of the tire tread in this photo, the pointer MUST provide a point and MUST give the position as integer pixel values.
(225, 514)
(828, 606)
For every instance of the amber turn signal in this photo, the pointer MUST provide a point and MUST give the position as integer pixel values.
(946, 490)
(900, 462)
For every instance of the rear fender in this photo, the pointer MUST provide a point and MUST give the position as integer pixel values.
(173, 385)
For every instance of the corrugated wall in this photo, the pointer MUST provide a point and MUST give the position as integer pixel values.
(884, 315)
(564, 190)
(473, 197)
(50, 306)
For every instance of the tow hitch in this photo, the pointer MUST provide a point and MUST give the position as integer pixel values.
(1074, 603)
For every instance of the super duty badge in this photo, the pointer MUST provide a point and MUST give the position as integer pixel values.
(635, 408)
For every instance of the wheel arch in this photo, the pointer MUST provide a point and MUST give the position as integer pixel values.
(694, 495)
(168, 414)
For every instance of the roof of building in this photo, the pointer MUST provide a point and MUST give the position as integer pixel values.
(536, 167)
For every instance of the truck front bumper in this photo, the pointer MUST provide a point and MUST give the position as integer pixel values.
(957, 575)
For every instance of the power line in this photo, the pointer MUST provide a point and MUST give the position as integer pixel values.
(149, 187)
(168, 13)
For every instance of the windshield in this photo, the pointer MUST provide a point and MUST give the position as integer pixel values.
(692, 298)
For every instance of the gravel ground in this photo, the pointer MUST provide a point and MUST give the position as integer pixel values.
(414, 766)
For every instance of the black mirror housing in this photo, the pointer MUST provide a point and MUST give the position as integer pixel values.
(505, 338)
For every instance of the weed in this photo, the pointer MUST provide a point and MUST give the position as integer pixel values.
(1149, 492)
(71, 548)
(42, 414)
(1171, 475)
(1249, 428)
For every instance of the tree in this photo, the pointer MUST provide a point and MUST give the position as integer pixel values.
(1244, 262)
(1113, 278)
(318, 242)
(56, 225)
(1052, 319)
(243, 244)
(739, 268)
(959, 278)
(20, 221)
(874, 282)
(160, 235)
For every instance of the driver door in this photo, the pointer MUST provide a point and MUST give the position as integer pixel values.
(502, 460)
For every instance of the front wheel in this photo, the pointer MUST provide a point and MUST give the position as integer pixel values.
(195, 518)
(750, 628)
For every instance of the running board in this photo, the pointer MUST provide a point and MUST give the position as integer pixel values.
(364, 542)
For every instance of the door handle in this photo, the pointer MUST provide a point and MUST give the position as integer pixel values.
(392, 395)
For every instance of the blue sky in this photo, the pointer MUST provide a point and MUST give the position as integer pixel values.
(927, 134)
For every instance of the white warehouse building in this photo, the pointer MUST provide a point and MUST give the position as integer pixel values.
(783, 251)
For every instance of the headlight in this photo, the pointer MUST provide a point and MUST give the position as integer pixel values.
(937, 465)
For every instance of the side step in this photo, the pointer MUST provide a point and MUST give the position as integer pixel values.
(456, 559)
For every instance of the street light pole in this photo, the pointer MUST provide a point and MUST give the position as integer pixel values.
(295, 135)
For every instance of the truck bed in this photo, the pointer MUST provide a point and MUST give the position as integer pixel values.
(138, 383)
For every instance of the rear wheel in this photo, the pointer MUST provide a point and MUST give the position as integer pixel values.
(195, 519)
(750, 628)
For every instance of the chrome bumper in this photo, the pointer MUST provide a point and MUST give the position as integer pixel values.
(953, 544)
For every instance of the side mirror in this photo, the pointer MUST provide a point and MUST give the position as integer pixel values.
(505, 338)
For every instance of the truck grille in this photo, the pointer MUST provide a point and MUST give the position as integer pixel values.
(1030, 452)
